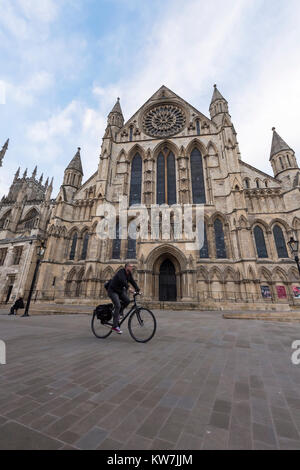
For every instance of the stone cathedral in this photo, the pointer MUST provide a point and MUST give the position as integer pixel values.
(170, 153)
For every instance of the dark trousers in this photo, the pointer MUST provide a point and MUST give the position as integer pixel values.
(13, 311)
(117, 299)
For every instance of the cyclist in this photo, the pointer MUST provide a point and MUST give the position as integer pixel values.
(117, 291)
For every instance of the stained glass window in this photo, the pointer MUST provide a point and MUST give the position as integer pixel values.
(220, 240)
(85, 246)
(136, 180)
(280, 242)
(260, 243)
(73, 246)
(198, 187)
(160, 190)
(204, 250)
(131, 248)
(116, 251)
(166, 178)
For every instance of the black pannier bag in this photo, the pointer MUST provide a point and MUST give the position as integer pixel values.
(104, 312)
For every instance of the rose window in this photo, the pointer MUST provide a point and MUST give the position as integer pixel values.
(164, 121)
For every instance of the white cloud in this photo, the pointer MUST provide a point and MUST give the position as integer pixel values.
(41, 10)
(57, 125)
(26, 93)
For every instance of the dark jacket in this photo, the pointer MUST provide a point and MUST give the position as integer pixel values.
(120, 282)
(19, 303)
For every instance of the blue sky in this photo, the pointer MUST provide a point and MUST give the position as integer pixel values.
(63, 63)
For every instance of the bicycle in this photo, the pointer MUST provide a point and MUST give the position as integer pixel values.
(141, 323)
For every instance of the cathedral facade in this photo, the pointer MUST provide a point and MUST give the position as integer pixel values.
(170, 154)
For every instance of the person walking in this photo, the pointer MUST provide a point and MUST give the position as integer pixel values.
(117, 291)
(19, 304)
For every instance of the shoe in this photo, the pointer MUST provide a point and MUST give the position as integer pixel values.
(117, 330)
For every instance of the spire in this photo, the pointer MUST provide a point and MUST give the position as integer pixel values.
(278, 144)
(41, 178)
(17, 173)
(34, 172)
(47, 183)
(217, 95)
(115, 117)
(25, 174)
(117, 107)
(49, 190)
(75, 163)
(3, 151)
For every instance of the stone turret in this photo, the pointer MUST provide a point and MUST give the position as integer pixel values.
(115, 117)
(72, 176)
(219, 108)
(283, 161)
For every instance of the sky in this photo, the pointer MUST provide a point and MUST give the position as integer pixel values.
(63, 63)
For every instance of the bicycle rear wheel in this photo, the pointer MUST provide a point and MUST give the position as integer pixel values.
(142, 325)
(100, 330)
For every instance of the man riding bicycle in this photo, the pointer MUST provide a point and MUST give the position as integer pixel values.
(117, 288)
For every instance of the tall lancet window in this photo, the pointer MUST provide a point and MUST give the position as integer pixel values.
(73, 246)
(85, 246)
(198, 187)
(260, 243)
(136, 180)
(166, 178)
(220, 240)
(116, 249)
(204, 254)
(280, 242)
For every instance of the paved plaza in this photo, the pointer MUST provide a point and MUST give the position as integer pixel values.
(203, 382)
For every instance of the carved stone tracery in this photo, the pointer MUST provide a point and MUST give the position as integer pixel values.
(164, 120)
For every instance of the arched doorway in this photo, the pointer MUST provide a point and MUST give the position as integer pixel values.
(167, 282)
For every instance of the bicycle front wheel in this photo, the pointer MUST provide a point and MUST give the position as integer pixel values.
(142, 325)
(100, 330)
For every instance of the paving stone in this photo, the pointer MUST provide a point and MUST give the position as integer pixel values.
(219, 420)
(92, 439)
(214, 392)
(159, 444)
(286, 429)
(137, 442)
(264, 434)
(239, 438)
(15, 436)
(110, 444)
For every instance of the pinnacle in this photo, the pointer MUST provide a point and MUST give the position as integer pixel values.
(75, 163)
(117, 107)
(217, 95)
(278, 144)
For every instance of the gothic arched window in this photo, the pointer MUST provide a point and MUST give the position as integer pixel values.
(260, 243)
(85, 246)
(166, 178)
(130, 133)
(280, 242)
(198, 188)
(136, 180)
(73, 246)
(131, 248)
(204, 253)
(116, 250)
(198, 126)
(219, 239)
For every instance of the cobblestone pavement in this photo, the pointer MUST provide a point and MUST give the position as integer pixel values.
(203, 382)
